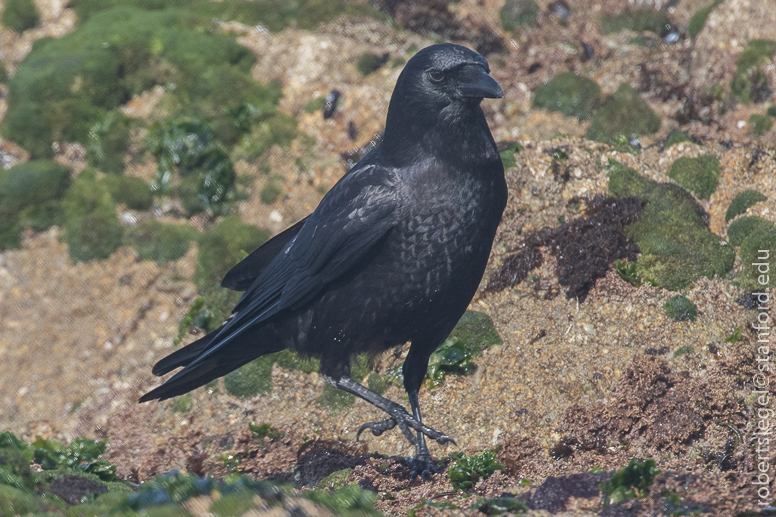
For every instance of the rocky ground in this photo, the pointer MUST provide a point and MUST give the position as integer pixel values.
(578, 387)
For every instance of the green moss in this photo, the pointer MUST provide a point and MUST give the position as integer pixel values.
(14, 501)
(189, 148)
(368, 63)
(676, 246)
(334, 400)
(742, 202)
(626, 182)
(315, 105)
(336, 480)
(251, 379)
(233, 505)
(757, 252)
(107, 145)
(760, 124)
(272, 190)
(279, 129)
(742, 227)
(771, 111)
(679, 308)
(182, 404)
(259, 432)
(207, 312)
(130, 191)
(675, 138)
(20, 15)
(631, 482)
(30, 196)
(518, 12)
(15, 468)
(473, 333)
(569, 93)
(736, 336)
(291, 360)
(624, 113)
(160, 242)
(638, 20)
(92, 231)
(698, 19)
(508, 155)
(68, 85)
(465, 471)
(698, 175)
(349, 501)
(376, 383)
(750, 84)
(222, 247)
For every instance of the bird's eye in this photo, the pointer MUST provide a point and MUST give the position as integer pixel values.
(436, 76)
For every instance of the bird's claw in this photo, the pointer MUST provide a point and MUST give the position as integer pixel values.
(377, 428)
(422, 466)
(401, 417)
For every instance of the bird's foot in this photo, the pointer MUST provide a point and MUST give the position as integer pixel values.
(422, 465)
(405, 421)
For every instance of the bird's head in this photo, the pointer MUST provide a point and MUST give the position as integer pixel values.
(436, 105)
(447, 73)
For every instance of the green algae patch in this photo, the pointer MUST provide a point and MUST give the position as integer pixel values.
(750, 83)
(676, 246)
(349, 501)
(222, 247)
(632, 482)
(251, 379)
(508, 153)
(742, 202)
(757, 252)
(736, 336)
(272, 190)
(93, 231)
(516, 13)
(278, 129)
(638, 20)
(14, 501)
(760, 124)
(368, 63)
(30, 197)
(570, 94)
(130, 191)
(376, 383)
(336, 480)
(159, 242)
(465, 471)
(623, 114)
(189, 149)
(679, 308)
(474, 333)
(259, 432)
(698, 19)
(291, 360)
(698, 175)
(182, 404)
(20, 15)
(742, 227)
(68, 86)
(677, 137)
(107, 144)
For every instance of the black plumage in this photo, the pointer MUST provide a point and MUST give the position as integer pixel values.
(394, 252)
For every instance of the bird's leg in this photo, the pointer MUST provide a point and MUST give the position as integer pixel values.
(399, 415)
(422, 464)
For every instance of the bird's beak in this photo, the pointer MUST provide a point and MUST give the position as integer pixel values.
(483, 87)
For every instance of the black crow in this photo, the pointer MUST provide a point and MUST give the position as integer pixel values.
(394, 252)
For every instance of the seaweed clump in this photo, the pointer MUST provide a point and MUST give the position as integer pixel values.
(20, 15)
(159, 242)
(518, 12)
(30, 197)
(740, 229)
(679, 308)
(742, 202)
(569, 93)
(750, 84)
(638, 20)
(623, 114)
(677, 247)
(698, 175)
(584, 248)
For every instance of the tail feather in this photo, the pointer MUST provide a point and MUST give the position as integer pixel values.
(185, 355)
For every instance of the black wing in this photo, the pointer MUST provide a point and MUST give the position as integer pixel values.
(354, 216)
(242, 275)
